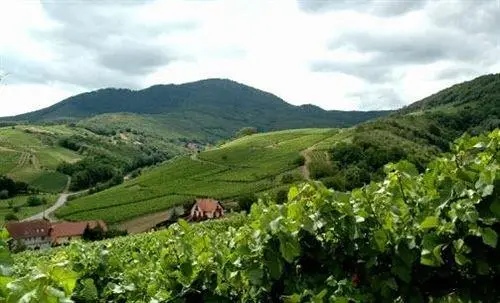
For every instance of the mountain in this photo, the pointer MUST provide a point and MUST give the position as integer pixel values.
(208, 109)
(267, 163)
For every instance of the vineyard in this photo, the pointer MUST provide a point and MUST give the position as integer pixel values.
(31, 154)
(412, 237)
(250, 164)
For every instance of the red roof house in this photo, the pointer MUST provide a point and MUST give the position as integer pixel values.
(33, 234)
(205, 209)
(64, 232)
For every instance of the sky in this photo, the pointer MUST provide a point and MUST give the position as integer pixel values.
(337, 54)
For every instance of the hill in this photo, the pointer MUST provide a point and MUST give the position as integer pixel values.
(430, 237)
(209, 109)
(45, 155)
(342, 159)
(252, 164)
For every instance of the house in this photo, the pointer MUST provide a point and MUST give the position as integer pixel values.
(65, 232)
(32, 234)
(37, 234)
(205, 209)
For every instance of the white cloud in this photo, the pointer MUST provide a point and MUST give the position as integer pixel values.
(338, 55)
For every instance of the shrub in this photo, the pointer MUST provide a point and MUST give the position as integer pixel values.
(35, 201)
(4, 194)
(11, 217)
(281, 196)
(300, 160)
(245, 202)
(246, 131)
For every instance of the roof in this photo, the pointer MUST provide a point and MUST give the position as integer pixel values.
(69, 229)
(208, 205)
(28, 229)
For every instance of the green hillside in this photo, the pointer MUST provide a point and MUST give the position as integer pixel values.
(44, 155)
(31, 154)
(208, 109)
(430, 237)
(251, 164)
(341, 159)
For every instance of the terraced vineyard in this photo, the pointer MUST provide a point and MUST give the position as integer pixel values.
(252, 164)
(31, 154)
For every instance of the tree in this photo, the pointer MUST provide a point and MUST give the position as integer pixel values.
(11, 217)
(35, 201)
(4, 194)
(245, 202)
(246, 131)
(281, 196)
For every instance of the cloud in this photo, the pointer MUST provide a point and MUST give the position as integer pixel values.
(376, 7)
(345, 54)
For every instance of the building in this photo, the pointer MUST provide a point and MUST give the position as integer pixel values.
(37, 234)
(65, 232)
(31, 234)
(205, 209)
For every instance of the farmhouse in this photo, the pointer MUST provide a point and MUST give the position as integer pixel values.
(205, 209)
(65, 232)
(37, 234)
(32, 234)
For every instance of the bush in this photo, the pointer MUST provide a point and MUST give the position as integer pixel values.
(289, 178)
(16, 209)
(281, 196)
(245, 202)
(4, 194)
(11, 217)
(337, 182)
(246, 131)
(35, 201)
(300, 160)
(320, 169)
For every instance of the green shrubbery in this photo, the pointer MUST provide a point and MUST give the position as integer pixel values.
(414, 237)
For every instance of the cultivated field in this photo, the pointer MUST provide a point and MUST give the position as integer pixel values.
(31, 154)
(252, 164)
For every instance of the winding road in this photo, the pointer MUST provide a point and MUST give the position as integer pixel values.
(49, 212)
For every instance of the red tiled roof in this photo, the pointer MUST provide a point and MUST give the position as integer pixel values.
(208, 205)
(69, 229)
(28, 229)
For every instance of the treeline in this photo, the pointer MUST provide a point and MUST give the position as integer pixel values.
(10, 188)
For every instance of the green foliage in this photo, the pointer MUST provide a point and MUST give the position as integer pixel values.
(11, 217)
(413, 237)
(245, 202)
(245, 131)
(35, 201)
(281, 196)
(50, 182)
(218, 173)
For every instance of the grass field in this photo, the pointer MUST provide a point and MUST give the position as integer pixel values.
(252, 164)
(31, 154)
(24, 210)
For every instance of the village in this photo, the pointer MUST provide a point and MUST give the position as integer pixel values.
(41, 233)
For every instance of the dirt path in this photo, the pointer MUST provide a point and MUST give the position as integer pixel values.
(145, 223)
(304, 168)
(49, 212)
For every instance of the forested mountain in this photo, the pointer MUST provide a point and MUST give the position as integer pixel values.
(213, 109)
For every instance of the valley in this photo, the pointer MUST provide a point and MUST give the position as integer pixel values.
(385, 189)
